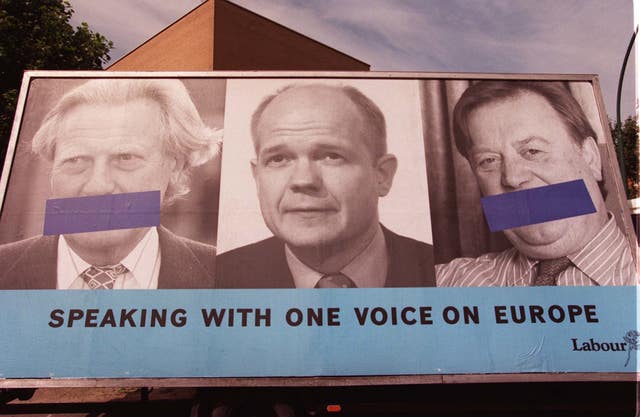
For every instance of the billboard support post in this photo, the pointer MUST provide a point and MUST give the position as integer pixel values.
(619, 146)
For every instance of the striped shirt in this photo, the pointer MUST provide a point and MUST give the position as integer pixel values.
(605, 260)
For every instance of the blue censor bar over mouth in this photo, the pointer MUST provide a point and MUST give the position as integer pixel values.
(537, 205)
(102, 212)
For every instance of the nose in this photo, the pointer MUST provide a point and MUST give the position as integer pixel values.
(100, 180)
(515, 174)
(305, 177)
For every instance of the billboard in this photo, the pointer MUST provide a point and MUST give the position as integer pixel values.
(277, 225)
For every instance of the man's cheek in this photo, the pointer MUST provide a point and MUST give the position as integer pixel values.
(267, 205)
(488, 185)
(63, 186)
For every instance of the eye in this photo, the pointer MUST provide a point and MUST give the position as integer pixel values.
(331, 158)
(276, 160)
(488, 163)
(73, 164)
(127, 161)
(532, 153)
(71, 161)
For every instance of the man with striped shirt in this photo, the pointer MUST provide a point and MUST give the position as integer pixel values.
(519, 135)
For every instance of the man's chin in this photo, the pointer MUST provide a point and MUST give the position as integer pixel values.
(308, 243)
(538, 244)
(105, 241)
(314, 239)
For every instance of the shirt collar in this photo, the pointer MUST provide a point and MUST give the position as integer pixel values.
(367, 270)
(70, 265)
(525, 265)
(140, 261)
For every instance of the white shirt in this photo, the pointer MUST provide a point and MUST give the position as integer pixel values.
(143, 263)
(605, 260)
(367, 270)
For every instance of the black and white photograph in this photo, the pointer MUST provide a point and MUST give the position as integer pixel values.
(324, 186)
(322, 183)
(81, 137)
(492, 137)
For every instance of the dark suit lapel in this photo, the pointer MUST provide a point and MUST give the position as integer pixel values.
(281, 277)
(410, 264)
(36, 267)
(258, 265)
(396, 270)
(179, 267)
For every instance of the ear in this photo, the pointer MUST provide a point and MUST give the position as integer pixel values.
(591, 155)
(254, 165)
(385, 167)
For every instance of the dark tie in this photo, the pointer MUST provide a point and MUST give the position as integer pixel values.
(549, 269)
(336, 280)
(103, 277)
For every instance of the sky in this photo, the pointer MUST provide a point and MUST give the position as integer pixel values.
(521, 36)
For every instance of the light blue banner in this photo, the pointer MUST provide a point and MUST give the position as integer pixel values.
(92, 334)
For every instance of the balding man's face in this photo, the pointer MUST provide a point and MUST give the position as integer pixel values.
(318, 182)
(105, 149)
(521, 143)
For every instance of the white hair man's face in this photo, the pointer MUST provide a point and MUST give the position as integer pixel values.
(317, 182)
(522, 143)
(110, 149)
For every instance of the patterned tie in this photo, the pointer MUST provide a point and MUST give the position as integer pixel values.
(549, 269)
(336, 280)
(103, 277)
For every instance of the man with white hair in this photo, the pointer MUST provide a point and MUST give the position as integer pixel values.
(117, 136)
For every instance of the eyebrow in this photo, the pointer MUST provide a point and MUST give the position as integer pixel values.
(271, 149)
(66, 153)
(319, 146)
(116, 149)
(476, 150)
(531, 139)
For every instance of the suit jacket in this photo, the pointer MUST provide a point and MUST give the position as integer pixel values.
(264, 264)
(32, 263)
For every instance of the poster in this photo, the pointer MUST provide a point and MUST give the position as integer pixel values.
(279, 225)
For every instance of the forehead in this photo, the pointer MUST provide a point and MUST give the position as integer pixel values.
(516, 118)
(135, 120)
(310, 109)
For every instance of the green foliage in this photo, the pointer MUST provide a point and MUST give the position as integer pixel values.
(36, 34)
(629, 135)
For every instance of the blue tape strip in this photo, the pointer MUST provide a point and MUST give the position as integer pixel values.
(537, 205)
(102, 212)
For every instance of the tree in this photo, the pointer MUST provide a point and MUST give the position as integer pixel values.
(629, 136)
(36, 34)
